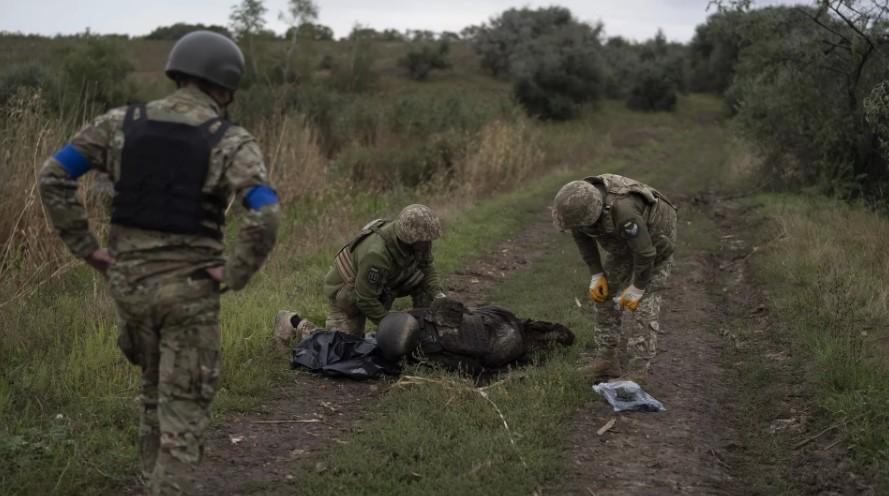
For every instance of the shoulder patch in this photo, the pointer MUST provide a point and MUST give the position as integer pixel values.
(374, 276)
(631, 229)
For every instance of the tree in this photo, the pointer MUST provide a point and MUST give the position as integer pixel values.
(175, 31)
(299, 13)
(423, 57)
(247, 22)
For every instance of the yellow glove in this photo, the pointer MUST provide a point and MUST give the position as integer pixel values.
(630, 298)
(598, 288)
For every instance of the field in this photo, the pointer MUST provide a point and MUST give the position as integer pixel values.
(772, 364)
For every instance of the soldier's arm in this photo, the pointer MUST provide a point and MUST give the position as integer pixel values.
(589, 251)
(431, 282)
(88, 150)
(373, 271)
(259, 228)
(632, 227)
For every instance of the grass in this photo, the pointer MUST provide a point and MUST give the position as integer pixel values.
(826, 279)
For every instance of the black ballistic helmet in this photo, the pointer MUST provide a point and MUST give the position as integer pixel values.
(209, 56)
(397, 335)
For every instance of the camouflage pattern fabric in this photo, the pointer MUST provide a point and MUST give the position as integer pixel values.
(417, 223)
(385, 268)
(637, 346)
(577, 204)
(167, 305)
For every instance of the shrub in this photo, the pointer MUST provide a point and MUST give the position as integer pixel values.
(358, 74)
(423, 58)
(97, 71)
(652, 90)
(175, 31)
(31, 75)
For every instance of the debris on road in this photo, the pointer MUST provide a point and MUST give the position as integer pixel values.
(607, 427)
(626, 396)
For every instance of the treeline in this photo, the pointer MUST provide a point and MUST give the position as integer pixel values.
(798, 80)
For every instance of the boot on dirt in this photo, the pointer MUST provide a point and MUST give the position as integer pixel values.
(604, 367)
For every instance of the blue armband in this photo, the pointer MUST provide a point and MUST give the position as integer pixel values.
(74, 163)
(260, 196)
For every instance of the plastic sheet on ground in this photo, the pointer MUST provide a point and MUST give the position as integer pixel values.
(627, 396)
(339, 354)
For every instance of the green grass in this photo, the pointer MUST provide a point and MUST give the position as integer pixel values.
(826, 276)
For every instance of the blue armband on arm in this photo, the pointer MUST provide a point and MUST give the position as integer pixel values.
(260, 196)
(74, 163)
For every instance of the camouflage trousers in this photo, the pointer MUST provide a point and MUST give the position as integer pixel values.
(636, 347)
(345, 316)
(170, 330)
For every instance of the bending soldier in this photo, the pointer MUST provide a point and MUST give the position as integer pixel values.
(174, 162)
(387, 260)
(635, 225)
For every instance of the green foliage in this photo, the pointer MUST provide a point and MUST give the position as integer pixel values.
(175, 31)
(652, 90)
(552, 59)
(422, 58)
(714, 52)
(30, 75)
(96, 71)
(358, 74)
(247, 18)
(310, 31)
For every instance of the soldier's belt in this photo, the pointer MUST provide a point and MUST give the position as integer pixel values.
(344, 264)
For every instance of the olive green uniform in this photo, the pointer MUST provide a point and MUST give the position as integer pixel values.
(372, 271)
(637, 232)
(167, 304)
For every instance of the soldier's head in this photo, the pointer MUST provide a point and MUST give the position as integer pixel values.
(417, 225)
(577, 204)
(398, 335)
(208, 60)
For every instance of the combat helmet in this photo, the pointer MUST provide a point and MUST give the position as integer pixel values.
(577, 204)
(397, 335)
(417, 223)
(209, 56)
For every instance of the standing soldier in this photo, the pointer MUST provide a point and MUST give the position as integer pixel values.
(636, 227)
(175, 163)
(387, 260)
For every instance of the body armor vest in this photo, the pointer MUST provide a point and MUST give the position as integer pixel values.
(616, 186)
(164, 167)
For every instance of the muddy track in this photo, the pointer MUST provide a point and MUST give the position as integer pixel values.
(256, 452)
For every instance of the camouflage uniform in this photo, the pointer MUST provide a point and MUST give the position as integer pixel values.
(637, 232)
(378, 266)
(167, 304)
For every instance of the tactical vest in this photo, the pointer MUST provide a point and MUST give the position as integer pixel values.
(616, 186)
(164, 168)
(344, 262)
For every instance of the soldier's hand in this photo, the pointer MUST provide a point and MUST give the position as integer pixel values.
(629, 299)
(598, 287)
(100, 260)
(217, 273)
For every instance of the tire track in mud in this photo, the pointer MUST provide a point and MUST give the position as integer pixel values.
(257, 452)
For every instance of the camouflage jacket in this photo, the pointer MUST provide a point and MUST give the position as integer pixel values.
(633, 228)
(385, 268)
(236, 167)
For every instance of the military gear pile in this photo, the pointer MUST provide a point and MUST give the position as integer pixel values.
(209, 56)
(417, 223)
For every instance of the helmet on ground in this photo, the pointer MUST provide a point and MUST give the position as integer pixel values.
(577, 204)
(397, 335)
(209, 56)
(417, 223)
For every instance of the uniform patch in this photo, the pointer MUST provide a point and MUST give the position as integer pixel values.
(631, 229)
(374, 276)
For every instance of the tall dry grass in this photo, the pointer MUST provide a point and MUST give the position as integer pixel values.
(502, 155)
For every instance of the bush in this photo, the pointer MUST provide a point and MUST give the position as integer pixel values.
(180, 29)
(31, 75)
(653, 90)
(358, 74)
(97, 72)
(423, 58)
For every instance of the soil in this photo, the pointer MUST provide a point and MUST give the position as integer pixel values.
(254, 453)
(699, 446)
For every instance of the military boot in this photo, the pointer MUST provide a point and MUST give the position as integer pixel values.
(604, 367)
(285, 331)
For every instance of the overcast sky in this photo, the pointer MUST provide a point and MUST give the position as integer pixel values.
(635, 19)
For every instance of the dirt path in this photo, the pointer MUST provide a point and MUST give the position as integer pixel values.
(255, 453)
(682, 450)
